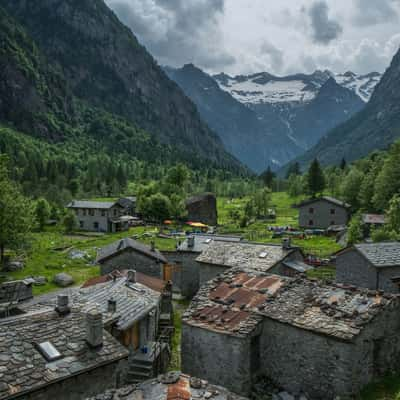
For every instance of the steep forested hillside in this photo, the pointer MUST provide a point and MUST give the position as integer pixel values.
(71, 69)
(375, 127)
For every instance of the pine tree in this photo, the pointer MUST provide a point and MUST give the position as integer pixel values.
(315, 179)
(268, 177)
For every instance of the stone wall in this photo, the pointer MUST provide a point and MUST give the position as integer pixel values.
(210, 271)
(186, 274)
(130, 259)
(280, 269)
(353, 269)
(86, 221)
(385, 276)
(83, 385)
(322, 216)
(218, 358)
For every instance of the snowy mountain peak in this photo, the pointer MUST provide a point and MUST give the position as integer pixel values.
(264, 88)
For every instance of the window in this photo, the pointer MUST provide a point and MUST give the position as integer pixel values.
(91, 212)
(81, 224)
(48, 351)
(96, 225)
(103, 213)
(333, 211)
(311, 222)
(115, 212)
(77, 211)
(311, 210)
(84, 211)
(333, 223)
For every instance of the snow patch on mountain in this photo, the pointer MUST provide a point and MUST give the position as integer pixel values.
(264, 88)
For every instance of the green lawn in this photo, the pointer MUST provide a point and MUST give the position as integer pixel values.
(387, 388)
(49, 254)
(286, 215)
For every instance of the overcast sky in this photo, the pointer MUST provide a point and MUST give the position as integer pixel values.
(277, 36)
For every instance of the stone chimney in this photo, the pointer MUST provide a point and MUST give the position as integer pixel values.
(131, 276)
(94, 328)
(112, 306)
(286, 244)
(153, 245)
(62, 306)
(190, 240)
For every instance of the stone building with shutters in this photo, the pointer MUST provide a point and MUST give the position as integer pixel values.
(309, 338)
(128, 254)
(323, 212)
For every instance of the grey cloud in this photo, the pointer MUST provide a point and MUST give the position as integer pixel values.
(373, 12)
(177, 31)
(274, 55)
(323, 29)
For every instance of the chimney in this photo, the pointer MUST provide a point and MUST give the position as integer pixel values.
(94, 328)
(112, 306)
(286, 244)
(62, 306)
(190, 240)
(131, 276)
(153, 245)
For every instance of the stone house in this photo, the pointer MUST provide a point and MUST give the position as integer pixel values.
(132, 313)
(129, 205)
(323, 212)
(186, 276)
(57, 354)
(306, 337)
(99, 216)
(277, 259)
(203, 208)
(371, 265)
(131, 254)
(171, 386)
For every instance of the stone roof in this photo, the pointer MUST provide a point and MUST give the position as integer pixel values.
(202, 241)
(236, 301)
(150, 281)
(384, 254)
(298, 266)
(133, 301)
(23, 368)
(171, 386)
(200, 197)
(91, 204)
(15, 291)
(260, 257)
(329, 199)
(127, 243)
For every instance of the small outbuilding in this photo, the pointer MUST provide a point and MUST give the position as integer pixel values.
(128, 254)
(370, 265)
(203, 208)
(323, 212)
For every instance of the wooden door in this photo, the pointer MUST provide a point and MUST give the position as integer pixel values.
(168, 269)
(135, 337)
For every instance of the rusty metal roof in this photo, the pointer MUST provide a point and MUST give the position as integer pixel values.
(236, 301)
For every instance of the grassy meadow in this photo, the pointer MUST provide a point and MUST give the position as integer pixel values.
(50, 251)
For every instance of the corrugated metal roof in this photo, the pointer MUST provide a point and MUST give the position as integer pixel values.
(91, 204)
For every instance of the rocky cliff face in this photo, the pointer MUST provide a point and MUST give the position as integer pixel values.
(373, 128)
(104, 65)
(264, 120)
